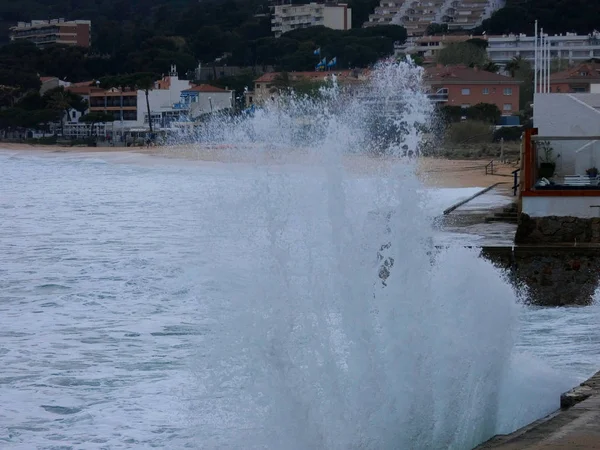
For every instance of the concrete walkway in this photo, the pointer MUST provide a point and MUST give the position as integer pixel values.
(575, 428)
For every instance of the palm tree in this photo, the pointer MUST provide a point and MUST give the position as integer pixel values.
(142, 81)
(490, 66)
(514, 65)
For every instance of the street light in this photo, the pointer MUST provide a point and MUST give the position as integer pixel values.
(210, 101)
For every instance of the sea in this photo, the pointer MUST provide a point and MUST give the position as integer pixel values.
(129, 292)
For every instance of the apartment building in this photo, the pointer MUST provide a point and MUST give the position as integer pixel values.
(583, 78)
(265, 86)
(429, 46)
(129, 106)
(464, 86)
(292, 17)
(571, 47)
(417, 15)
(57, 31)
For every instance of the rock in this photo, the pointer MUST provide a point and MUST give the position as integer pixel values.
(575, 395)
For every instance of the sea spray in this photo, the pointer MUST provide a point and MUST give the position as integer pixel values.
(317, 352)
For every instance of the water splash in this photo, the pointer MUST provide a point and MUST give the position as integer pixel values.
(318, 353)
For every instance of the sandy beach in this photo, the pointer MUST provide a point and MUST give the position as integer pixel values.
(434, 172)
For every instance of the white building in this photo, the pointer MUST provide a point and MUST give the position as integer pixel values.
(130, 109)
(292, 17)
(416, 15)
(571, 47)
(568, 125)
(429, 46)
(204, 99)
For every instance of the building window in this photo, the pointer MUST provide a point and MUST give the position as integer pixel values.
(257, 86)
(507, 107)
(466, 91)
(486, 91)
(507, 91)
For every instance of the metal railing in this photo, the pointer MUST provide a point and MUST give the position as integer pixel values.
(516, 181)
(489, 168)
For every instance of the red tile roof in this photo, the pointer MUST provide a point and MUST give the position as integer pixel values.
(585, 72)
(206, 88)
(81, 88)
(295, 76)
(465, 75)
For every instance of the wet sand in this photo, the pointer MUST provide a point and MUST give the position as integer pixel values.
(434, 172)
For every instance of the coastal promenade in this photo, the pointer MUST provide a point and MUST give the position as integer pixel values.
(575, 427)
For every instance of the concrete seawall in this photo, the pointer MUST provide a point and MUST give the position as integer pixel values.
(575, 426)
(550, 275)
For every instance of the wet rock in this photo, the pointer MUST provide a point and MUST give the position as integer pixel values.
(575, 395)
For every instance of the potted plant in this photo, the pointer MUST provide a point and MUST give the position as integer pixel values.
(547, 163)
(592, 172)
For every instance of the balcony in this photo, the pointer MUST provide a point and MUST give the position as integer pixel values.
(438, 97)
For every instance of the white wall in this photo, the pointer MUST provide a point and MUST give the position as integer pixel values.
(160, 99)
(566, 115)
(561, 206)
(595, 88)
(570, 115)
(219, 100)
(334, 17)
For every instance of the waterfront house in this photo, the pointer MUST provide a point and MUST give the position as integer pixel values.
(559, 183)
(267, 86)
(577, 79)
(464, 86)
(204, 99)
(129, 106)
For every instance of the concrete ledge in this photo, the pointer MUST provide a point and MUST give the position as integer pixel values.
(576, 426)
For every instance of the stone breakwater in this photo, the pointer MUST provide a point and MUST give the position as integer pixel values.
(575, 426)
(555, 229)
(549, 276)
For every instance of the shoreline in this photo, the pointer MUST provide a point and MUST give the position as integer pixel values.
(431, 171)
(574, 425)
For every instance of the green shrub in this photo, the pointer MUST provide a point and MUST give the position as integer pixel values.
(469, 132)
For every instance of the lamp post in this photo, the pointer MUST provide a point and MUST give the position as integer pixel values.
(211, 106)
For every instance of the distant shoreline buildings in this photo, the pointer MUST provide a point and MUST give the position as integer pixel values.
(285, 17)
(44, 33)
(416, 16)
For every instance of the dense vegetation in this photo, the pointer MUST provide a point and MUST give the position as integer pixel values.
(149, 35)
(556, 16)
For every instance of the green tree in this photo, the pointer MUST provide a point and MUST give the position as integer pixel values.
(484, 112)
(490, 66)
(462, 53)
(96, 117)
(62, 101)
(434, 29)
(514, 65)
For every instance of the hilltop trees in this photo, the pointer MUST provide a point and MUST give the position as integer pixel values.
(557, 16)
(185, 32)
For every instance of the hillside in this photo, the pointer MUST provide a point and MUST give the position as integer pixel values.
(556, 16)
